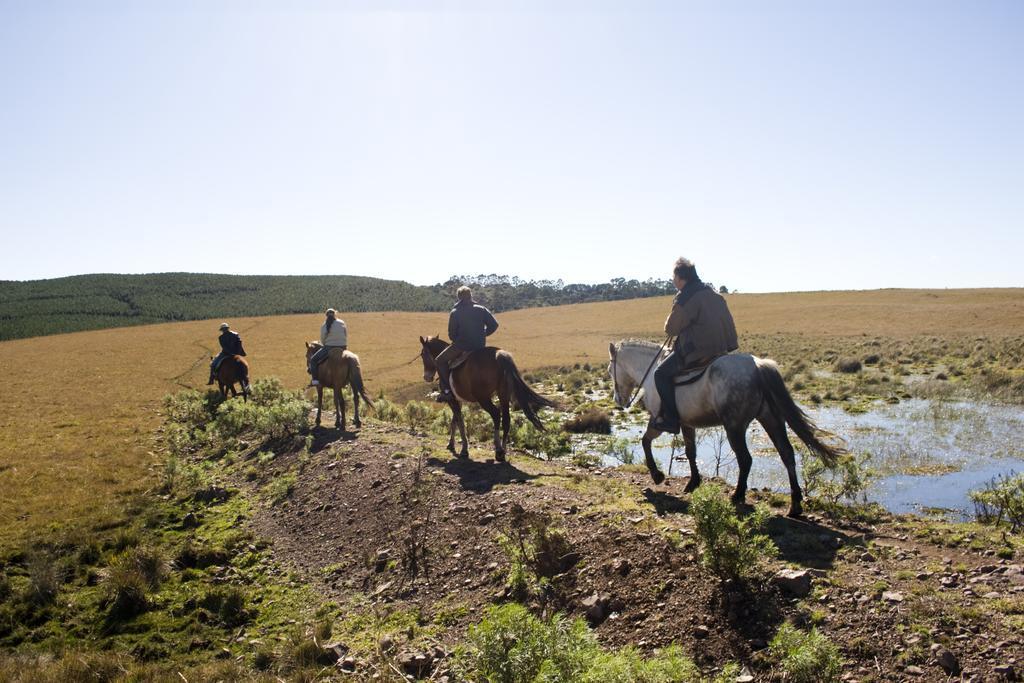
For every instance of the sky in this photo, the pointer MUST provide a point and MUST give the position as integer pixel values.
(780, 145)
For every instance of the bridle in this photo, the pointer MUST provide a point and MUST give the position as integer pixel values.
(640, 384)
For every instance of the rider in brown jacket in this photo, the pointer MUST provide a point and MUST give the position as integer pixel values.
(703, 326)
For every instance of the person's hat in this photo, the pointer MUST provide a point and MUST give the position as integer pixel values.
(225, 326)
(331, 311)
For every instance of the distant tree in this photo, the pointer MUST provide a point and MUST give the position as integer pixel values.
(723, 290)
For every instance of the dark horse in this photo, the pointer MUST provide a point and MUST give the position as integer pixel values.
(340, 368)
(232, 370)
(734, 391)
(477, 379)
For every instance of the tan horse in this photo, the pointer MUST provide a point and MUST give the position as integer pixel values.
(340, 368)
(484, 373)
(232, 370)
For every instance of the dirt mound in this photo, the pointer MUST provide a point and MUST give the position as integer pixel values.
(388, 521)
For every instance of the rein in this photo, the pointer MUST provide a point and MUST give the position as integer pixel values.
(640, 385)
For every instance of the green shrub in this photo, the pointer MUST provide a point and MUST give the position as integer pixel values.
(386, 410)
(553, 442)
(1002, 499)
(228, 604)
(620, 449)
(805, 657)
(628, 666)
(847, 481)
(536, 551)
(44, 579)
(418, 415)
(130, 578)
(281, 488)
(732, 548)
(510, 645)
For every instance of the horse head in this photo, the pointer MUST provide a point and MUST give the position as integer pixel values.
(431, 347)
(623, 382)
(311, 348)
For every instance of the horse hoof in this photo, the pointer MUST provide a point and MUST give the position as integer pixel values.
(357, 424)
(739, 499)
(464, 455)
(795, 511)
(657, 476)
(692, 485)
(499, 456)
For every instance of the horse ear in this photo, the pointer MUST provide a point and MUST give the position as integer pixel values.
(422, 340)
(611, 349)
(307, 345)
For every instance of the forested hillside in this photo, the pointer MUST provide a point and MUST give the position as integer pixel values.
(87, 302)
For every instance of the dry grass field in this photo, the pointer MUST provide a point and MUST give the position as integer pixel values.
(78, 411)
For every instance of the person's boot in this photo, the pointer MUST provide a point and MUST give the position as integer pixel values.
(212, 378)
(444, 381)
(665, 424)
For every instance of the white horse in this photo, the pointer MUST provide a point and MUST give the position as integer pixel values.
(734, 390)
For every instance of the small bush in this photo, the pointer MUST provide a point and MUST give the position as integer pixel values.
(593, 421)
(418, 415)
(805, 657)
(387, 411)
(281, 488)
(536, 551)
(130, 578)
(44, 579)
(847, 481)
(628, 666)
(1002, 499)
(732, 548)
(510, 645)
(620, 450)
(848, 365)
(228, 604)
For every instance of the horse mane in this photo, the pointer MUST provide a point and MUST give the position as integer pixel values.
(641, 343)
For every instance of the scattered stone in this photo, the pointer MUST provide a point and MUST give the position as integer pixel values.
(701, 632)
(416, 663)
(867, 557)
(796, 582)
(189, 521)
(621, 567)
(914, 671)
(348, 664)
(487, 519)
(596, 607)
(946, 659)
(992, 595)
(892, 596)
(334, 652)
(1007, 671)
(381, 562)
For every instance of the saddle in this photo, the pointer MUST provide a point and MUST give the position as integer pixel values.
(691, 374)
(459, 360)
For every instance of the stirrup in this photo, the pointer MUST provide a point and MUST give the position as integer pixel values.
(444, 396)
(663, 424)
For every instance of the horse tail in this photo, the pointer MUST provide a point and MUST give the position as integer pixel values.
(529, 400)
(356, 378)
(783, 405)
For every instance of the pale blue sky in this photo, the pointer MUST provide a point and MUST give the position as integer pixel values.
(781, 145)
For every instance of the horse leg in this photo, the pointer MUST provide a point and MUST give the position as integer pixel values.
(459, 420)
(738, 441)
(451, 434)
(319, 403)
(652, 466)
(492, 410)
(776, 430)
(690, 443)
(339, 408)
(355, 408)
(506, 421)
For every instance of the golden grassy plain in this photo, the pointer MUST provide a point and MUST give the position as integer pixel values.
(78, 411)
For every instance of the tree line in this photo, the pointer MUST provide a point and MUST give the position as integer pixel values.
(87, 302)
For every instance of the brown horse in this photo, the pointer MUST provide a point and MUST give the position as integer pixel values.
(340, 368)
(232, 370)
(484, 373)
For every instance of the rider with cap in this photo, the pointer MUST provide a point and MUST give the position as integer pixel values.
(333, 335)
(230, 345)
(704, 329)
(469, 325)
